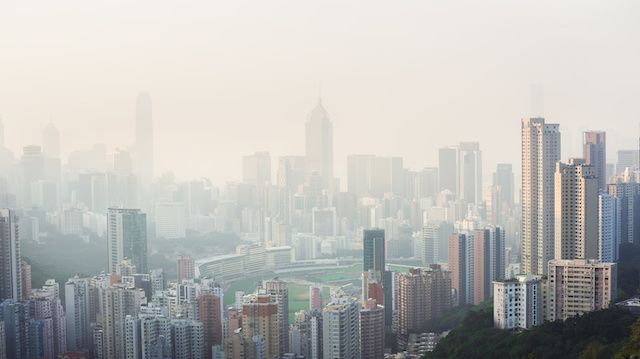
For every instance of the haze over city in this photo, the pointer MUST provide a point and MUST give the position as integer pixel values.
(228, 78)
(319, 180)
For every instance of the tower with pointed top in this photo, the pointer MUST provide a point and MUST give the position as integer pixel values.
(319, 144)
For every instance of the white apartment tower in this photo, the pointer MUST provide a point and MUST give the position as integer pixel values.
(576, 211)
(341, 328)
(540, 152)
(518, 302)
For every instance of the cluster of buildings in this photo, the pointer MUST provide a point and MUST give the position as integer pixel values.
(549, 257)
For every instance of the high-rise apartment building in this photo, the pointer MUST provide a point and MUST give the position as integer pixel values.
(594, 152)
(315, 298)
(503, 179)
(77, 304)
(127, 238)
(171, 222)
(609, 228)
(186, 268)
(10, 257)
(579, 286)
(372, 330)
(260, 318)
(540, 152)
(116, 303)
(15, 316)
(488, 261)
(209, 310)
(628, 194)
(518, 302)
(188, 337)
(341, 328)
(319, 145)
(45, 305)
(461, 266)
(279, 292)
(576, 211)
(422, 296)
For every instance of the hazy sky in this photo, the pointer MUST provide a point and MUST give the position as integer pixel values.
(228, 78)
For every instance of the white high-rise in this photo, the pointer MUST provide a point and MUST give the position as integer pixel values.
(341, 328)
(518, 302)
(470, 172)
(576, 211)
(319, 144)
(540, 152)
(77, 304)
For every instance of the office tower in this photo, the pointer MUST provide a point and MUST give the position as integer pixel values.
(127, 238)
(576, 211)
(256, 169)
(359, 174)
(144, 146)
(279, 292)
(315, 298)
(372, 330)
(25, 278)
(45, 305)
(319, 145)
(461, 267)
(291, 172)
(188, 336)
(422, 295)
(579, 286)
(15, 316)
(209, 308)
(594, 152)
(116, 303)
(260, 318)
(77, 304)
(540, 152)
(609, 229)
(428, 183)
(428, 249)
(373, 250)
(10, 257)
(470, 172)
(448, 169)
(171, 222)
(386, 176)
(186, 268)
(628, 194)
(32, 166)
(324, 222)
(51, 141)
(122, 163)
(503, 179)
(341, 328)
(518, 302)
(627, 159)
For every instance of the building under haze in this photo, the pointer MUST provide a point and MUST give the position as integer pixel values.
(10, 257)
(341, 328)
(144, 146)
(319, 144)
(594, 152)
(540, 152)
(127, 238)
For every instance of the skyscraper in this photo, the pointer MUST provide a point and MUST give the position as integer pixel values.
(372, 330)
(594, 152)
(45, 305)
(279, 292)
(576, 211)
(256, 169)
(116, 303)
(127, 238)
(470, 172)
(319, 144)
(540, 152)
(51, 141)
(628, 193)
(503, 179)
(10, 257)
(373, 250)
(518, 302)
(341, 328)
(144, 159)
(77, 304)
(359, 174)
(448, 169)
